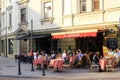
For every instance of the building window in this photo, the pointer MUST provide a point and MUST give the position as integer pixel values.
(83, 5)
(47, 9)
(96, 5)
(10, 19)
(3, 22)
(23, 15)
(46, 12)
(10, 46)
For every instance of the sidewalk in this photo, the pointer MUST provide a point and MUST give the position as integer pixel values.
(9, 68)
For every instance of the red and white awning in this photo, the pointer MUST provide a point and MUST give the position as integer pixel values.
(75, 34)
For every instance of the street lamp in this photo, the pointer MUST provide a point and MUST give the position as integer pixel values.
(6, 29)
(32, 69)
(19, 66)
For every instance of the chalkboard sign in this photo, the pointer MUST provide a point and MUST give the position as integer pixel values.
(112, 43)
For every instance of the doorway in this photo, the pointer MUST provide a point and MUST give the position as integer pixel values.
(88, 44)
(43, 44)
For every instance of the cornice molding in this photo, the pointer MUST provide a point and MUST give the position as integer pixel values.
(99, 26)
(50, 19)
(22, 1)
(23, 24)
(2, 14)
(113, 9)
(9, 7)
(90, 13)
(45, 1)
(68, 16)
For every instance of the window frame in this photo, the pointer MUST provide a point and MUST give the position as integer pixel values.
(96, 8)
(10, 19)
(45, 17)
(10, 41)
(83, 3)
(23, 15)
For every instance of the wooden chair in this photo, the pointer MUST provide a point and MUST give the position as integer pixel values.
(109, 65)
(83, 61)
(94, 66)
(66, 65)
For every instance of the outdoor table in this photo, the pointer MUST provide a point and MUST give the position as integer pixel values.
(103, 62)
(38, 61)
(57, 64)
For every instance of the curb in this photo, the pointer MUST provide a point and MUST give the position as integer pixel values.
(41, 77)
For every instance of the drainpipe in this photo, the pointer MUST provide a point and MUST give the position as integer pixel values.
(72, 14)
(103, 10)
(118, 33)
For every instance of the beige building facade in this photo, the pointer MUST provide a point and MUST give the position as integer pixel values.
(90, 25)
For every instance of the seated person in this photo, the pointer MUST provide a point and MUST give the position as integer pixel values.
(64, 56)
(80, 55)
(116, 57)
(96, 57)
(53, 55)
(110, 53)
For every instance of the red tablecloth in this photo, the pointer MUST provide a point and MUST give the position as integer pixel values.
(103, 62)
(39, 61)
(72, 59)
(57, 63)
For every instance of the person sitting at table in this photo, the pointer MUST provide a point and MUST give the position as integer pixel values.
(53, 55)
(80, 54)
(64, 56)
(116, 57)
(39, 55)
(96, 57)
(35, 54)
(110, 53)
(58, 56)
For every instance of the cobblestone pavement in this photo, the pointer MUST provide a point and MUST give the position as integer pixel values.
(46, 78)
(10, 78)
(9, 71)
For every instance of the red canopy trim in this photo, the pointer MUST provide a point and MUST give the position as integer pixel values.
(75, 34)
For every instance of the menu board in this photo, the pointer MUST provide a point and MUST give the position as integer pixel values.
(112, 43)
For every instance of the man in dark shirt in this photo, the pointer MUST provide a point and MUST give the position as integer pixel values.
(96, 57)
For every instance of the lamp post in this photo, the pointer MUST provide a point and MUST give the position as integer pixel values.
(6, 30)
(43, 69)
(32, 69)
(19, 67)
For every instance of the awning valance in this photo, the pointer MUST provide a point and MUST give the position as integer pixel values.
(75, 34)
(33, 36)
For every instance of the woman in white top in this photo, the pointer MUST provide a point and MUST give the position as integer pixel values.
(35, 54)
